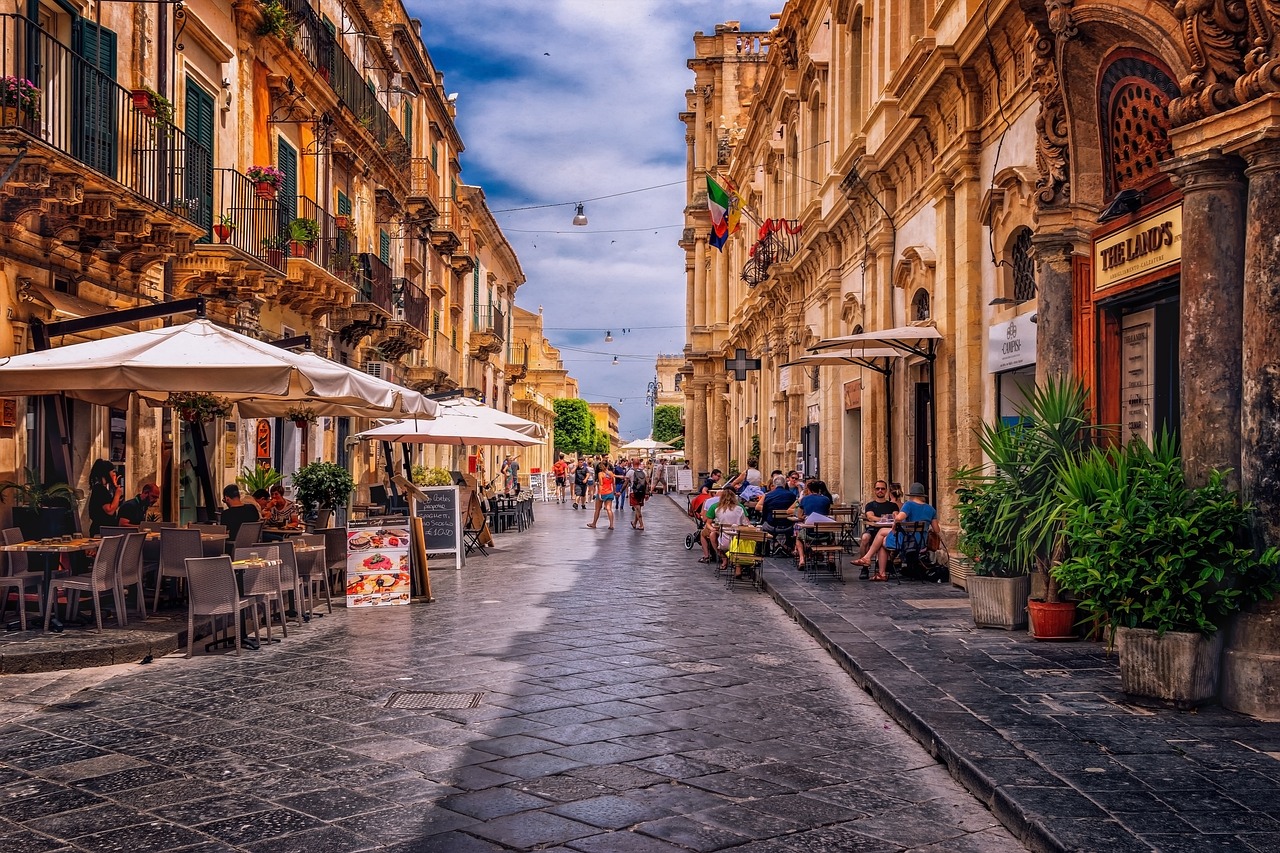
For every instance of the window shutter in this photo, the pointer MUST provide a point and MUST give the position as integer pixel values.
(287, 162)
(384, 247)
(198, 177)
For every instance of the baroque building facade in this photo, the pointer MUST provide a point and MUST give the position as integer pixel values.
(995, 193)
(126, 182)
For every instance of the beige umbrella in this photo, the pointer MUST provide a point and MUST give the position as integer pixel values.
(451, 426)
(646, 444)
(474, 408)
(202, 356)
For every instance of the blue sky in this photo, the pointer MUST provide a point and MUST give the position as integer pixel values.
(561, 101)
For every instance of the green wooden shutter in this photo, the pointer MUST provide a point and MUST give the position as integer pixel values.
(408, 126)
(287, 162)
(475, 296)
(384, 247)
(198, 174)
(94, 94)
(435, 154)
(344, 237)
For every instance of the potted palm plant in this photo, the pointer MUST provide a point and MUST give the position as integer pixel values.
(41, 509)
(225, 228)
(1011, 511)
(1166, 565)
(259, 477)
(303, 234)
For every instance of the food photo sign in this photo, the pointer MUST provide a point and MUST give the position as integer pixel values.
(378, 562)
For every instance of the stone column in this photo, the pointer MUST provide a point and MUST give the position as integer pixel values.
(696, 426)
(1212, 306)
(699, 282)
(1055, 340)
(719, 427)
(1260, 386)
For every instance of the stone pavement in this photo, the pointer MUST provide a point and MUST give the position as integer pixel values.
(1041, 732)
(580, 690)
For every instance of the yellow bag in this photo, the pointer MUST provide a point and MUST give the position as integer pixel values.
(742, 546)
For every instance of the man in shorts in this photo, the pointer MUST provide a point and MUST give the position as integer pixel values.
(581, 476)
(561, 471)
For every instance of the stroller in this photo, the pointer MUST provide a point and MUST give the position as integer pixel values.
(695, 512)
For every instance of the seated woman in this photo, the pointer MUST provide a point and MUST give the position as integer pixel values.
(815, 506)
(729, 514)
(708, 534)
(915, 509)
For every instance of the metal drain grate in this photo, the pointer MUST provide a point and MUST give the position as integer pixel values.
(416, 700)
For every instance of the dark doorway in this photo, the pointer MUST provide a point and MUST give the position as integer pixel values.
(809, 450)
(920, 445)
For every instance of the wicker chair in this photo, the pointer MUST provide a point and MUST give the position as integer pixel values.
(176, 547)
(248, 534)
(19, 575)
(105, 577)
(313, 570)
(335, 556)
(213, 593)
(264, 583)
(290, 579)
(130, 571)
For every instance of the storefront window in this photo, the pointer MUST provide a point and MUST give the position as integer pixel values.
(1024, 268)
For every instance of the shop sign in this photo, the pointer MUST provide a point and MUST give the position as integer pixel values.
(784, 379)
(8, 412)
(853, 395)
(1142, 248)
(1011, 344)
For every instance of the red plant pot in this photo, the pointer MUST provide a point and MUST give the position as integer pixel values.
(142, 102)
(1052, 621)
(265, 190)
(223, 232)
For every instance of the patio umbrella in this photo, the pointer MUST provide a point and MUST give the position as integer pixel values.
(202, 356)
(646, 444)
(475, 408)
(450, 426)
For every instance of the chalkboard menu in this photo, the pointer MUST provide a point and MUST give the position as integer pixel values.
(441, 522)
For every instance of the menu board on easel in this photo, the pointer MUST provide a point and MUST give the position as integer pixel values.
(378, 562)
(684, 479)
(538, 485)
(441, 521)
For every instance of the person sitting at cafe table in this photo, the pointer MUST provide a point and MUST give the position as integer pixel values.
(263, 499)
(729, 514)
(814, 507)
(237, 511)
(134, 511)
(881, 508)
(916, 509)
(280, 510)
(105, 496)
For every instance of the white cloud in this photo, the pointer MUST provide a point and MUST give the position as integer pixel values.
(568, 100)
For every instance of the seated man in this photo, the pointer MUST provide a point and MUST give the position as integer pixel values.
(777, 499)
(881, 508)
(916, 509)
(237, 511)
(708, 535)
(134, 511)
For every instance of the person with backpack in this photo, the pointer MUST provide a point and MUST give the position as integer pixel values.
(581, 475)
(639, 494)
(620, 485)
(561, 471)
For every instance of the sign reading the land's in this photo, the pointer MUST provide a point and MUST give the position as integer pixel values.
(1142, 248)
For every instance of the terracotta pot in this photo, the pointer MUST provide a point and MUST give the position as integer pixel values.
(10, 116)
(275, 257)
(142, 102)
(301, 423)
(1052, 621)
(265, 190)
(299, 250)
(223, 232)
(342, 222)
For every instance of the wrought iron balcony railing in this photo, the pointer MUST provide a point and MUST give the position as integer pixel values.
(373, 282)
(75, 108)
(411, 304)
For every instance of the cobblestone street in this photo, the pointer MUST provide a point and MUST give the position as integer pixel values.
(624, 701)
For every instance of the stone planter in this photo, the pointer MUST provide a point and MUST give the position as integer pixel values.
(1251, 662)
(961, 571)
(999, 602)
(1181, 668)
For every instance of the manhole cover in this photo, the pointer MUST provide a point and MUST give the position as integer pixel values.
(416, 700)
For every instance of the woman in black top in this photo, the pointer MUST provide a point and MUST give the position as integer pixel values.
(105, 495)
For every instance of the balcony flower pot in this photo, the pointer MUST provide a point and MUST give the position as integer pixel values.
(1052, 620)
(265, 190)
(1179, 667)
(275, 257)
(10, 116)
(301, 416)
(342, 222)
(999, 602)
(142, 102)
(224, 232)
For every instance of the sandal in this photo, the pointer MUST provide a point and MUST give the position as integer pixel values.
(704, 559)
(879, 577)
(863, 563)
(592, 526)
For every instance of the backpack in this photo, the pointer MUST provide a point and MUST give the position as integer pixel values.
(580, 476)
(639, 483)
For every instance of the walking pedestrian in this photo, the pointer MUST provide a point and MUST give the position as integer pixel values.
(561, 471)
(580, 475)
(639, 494)
(604, 494)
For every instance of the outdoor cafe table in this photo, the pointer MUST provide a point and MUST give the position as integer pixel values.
(239, 567)
(52, 549)
(211, 544)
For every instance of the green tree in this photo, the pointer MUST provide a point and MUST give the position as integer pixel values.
(602, 442)
(667, 423)
(575, 427)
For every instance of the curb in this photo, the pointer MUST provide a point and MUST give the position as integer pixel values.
(157, 644)
(1003, 805)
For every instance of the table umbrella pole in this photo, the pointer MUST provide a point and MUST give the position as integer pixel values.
(202, 469)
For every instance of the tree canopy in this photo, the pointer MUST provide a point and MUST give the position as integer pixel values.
(575, 428)
(667, 424)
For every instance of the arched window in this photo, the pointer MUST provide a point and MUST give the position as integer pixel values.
(1024, 268)
(1134, 96)
(920, 305)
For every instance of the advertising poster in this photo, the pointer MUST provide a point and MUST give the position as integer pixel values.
(378, 562)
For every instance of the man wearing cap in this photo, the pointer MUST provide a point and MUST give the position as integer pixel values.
(915, 508)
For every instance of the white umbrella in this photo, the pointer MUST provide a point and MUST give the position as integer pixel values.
(475, 408)
(645, 444)
(200, 356)
(449, 427)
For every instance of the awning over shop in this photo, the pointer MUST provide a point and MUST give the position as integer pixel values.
(921, 340)
(872, 358)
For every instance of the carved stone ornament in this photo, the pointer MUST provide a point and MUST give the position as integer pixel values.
(1216, 33)
(1053, 187)
(1262, 62)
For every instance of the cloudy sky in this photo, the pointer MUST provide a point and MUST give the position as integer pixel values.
(565, 101)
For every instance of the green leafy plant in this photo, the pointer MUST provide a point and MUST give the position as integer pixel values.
(278, 243)
(162, 106)
(300, 413)
(1010, 511)
(198, 406)
(259, 477)
(227, 220)
(1147, 551)
(278, 21)
(304, 230)
(33, 493)
(322, 484)
(424, 476)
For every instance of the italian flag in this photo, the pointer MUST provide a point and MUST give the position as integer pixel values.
(725, 209)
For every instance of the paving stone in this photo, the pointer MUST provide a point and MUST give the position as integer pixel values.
(492, 803)
(531, 829)
(259, 826)
(610, 812)
(686, 832)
